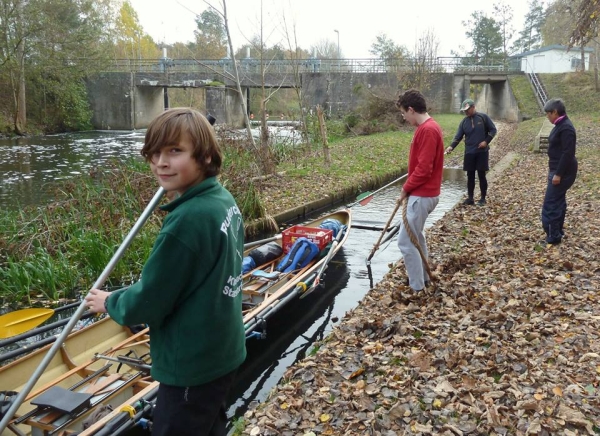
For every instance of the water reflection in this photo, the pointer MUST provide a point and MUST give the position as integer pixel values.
(28, 166)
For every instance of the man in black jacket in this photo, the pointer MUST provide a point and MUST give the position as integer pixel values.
(478, 130)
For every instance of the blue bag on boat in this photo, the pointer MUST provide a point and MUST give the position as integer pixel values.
(300, 254)
(331, 224)
(248, 264)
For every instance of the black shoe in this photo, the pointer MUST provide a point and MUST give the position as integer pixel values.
(468, 202)
(545, 243)
(481, 202)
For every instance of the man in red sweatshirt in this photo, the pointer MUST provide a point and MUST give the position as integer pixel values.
(425, 166)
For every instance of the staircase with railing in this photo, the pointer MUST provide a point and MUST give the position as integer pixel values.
(538, 88)
(541, 140)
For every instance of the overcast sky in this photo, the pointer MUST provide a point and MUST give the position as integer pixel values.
(358, 22)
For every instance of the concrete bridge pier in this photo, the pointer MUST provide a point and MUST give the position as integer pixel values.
(460, 90)
(225, 104)
(498, 101)
(117, 104)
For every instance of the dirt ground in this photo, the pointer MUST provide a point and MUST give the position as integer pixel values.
(505, 342)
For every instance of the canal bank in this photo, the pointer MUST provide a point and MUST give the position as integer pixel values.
(293, 331)
(505, 342)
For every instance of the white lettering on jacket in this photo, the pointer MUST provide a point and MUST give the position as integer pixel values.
(233, 286)
(233, 210)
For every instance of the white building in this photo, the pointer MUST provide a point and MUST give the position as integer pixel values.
(553, 59)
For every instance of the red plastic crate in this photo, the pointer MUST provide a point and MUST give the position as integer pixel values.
(319, 236)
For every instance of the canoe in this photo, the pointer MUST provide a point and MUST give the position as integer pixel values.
(104, 363)
(102, 371)
(265, 291)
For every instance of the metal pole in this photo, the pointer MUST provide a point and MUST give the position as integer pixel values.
(82, 307)
(338, 36)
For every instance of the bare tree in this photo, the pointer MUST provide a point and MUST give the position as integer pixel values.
(504, 16)
(325, 49)
(587, 31)
(265, 60)
(424, 60)
(223, 13)
(294, 54)
(560, 24)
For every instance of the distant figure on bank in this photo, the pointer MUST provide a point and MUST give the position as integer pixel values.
(478, 130)
(423, 185)
(189, 292)
(562, 170)
(251, 115)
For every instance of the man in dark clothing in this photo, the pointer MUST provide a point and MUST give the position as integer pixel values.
(562, 170)
(478, 130)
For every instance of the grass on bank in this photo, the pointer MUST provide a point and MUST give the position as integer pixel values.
(52, 252)
(525, 97)
(576, 89)
(374, 155)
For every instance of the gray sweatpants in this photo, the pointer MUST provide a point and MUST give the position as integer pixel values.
(417, 211)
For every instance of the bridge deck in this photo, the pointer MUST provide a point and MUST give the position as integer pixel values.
(312, 65)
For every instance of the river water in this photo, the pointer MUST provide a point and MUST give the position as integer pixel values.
(29, 166)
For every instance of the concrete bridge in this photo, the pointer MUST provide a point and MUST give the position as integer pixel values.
(131, 93)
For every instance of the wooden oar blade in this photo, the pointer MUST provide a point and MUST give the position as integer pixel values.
(19, 321)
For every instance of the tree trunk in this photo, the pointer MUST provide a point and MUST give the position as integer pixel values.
(596, 75)
(582, 57)
(594, 56)
(21, 109)
(323, 130)
(20, 99)
(237, 75)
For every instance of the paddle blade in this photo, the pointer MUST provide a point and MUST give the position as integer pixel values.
(19, 321)
(364, 198)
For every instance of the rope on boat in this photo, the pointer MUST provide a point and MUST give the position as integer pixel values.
(411, 236)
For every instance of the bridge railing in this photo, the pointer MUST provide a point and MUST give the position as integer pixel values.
(312, 65)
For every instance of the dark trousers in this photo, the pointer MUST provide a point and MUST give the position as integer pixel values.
(483, 184)
(476, 162)
(194, 411)
(554, 208)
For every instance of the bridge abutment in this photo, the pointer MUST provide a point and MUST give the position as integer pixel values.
(225, 104)
(498, 101)
(118, 104)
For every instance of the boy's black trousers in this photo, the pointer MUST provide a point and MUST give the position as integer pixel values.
(196, 410)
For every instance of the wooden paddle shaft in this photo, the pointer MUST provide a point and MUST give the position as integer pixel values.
(75, 317)
(380, 189)
(376, 246)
